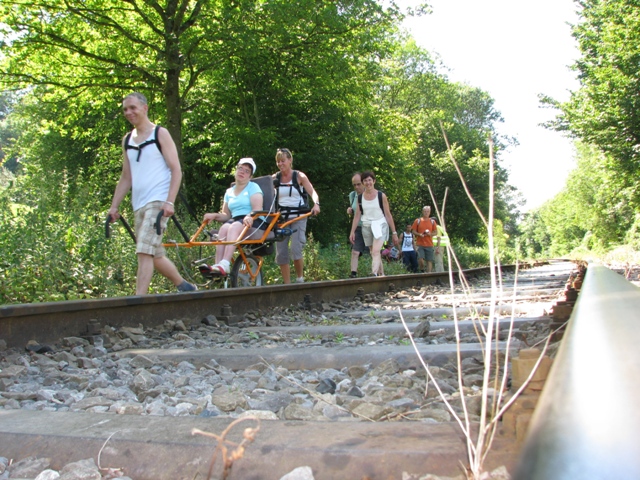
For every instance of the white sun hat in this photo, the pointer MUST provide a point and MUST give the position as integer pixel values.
(248, 161)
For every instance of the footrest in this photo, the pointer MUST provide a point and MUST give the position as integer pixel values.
(206, 272)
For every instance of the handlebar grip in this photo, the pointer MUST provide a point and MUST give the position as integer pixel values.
(107, 228)
(158, 224)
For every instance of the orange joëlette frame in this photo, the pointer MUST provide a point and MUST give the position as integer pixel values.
(273, 219)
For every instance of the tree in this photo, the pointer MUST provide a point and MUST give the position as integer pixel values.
(605, 111)
(594, 210)
(236, 78)
(164, 49)
(419, 100)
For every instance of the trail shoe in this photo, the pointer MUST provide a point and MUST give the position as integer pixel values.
(217, 268)
(221, 268)
(187, 287)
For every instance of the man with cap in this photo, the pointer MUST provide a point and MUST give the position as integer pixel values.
(240, 200)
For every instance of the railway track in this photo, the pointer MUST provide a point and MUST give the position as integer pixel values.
(256, 343)
(50, 321)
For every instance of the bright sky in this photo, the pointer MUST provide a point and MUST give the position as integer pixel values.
(514, 50)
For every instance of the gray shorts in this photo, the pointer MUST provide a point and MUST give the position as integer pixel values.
(367, 234)
(426, 253)
(298, 239)
(358, 244)
(148, 241)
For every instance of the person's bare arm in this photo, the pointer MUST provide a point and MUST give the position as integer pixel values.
(387, 214)
(306, 184)
(122, 187)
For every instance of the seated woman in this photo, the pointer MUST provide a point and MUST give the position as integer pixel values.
(239, 201)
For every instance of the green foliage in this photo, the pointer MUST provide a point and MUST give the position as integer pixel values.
(604, 111)
(420, 101)
(471, 256)
(599, 205)
(314, 269)
(330, 263)
(56, 250)
(595, 210)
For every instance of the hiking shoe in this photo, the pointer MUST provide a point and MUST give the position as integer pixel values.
(187, 287)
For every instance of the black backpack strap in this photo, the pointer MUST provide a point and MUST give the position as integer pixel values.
(297, 186)
(294, 184)
(276, 186)
(157, 130)
(143, 144)
(380, 202)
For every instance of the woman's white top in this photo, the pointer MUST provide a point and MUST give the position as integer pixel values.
(371, 210)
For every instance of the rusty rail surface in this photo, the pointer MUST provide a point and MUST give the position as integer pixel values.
(587, 421)
(49, 321)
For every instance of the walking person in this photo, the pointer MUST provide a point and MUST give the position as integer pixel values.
(292, 190)
(373, 210)
(151, 170)
(357, 247)
(408, 247)
(424, 228)
(440, 247)
(240, 200)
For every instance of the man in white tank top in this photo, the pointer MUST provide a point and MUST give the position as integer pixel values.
(151, 170)
(409, 254)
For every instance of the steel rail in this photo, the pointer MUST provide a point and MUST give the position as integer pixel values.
(50, 321)
(587, 421)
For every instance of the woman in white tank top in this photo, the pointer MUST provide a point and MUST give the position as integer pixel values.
(376, 221)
